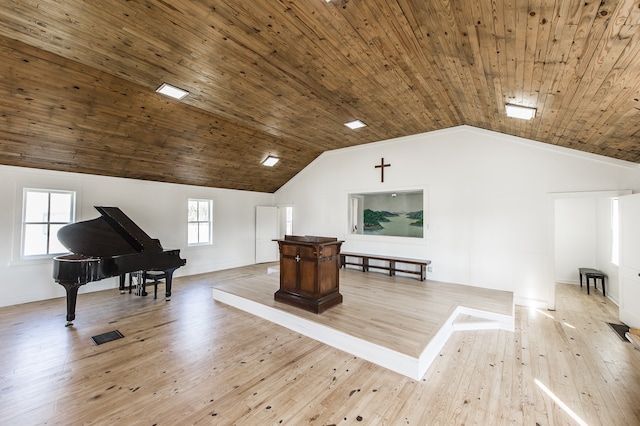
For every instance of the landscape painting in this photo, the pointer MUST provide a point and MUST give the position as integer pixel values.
(398, 214)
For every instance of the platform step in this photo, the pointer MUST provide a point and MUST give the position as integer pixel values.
(471, 322)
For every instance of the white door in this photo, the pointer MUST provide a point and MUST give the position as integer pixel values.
(629, 272)
(266, 232)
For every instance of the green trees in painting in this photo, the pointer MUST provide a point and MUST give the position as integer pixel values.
(373, 219)
(416, 215)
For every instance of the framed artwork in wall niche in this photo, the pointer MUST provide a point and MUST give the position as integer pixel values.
(392, 213)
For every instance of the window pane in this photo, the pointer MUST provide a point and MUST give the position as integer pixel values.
(35, 240)
(289, 220)
(193, 211)
(192, 233)
(203, 211)
(54, 244)
(203, 236)
(60, 207)
(37, 206)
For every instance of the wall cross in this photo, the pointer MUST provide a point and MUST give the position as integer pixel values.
(381, 166)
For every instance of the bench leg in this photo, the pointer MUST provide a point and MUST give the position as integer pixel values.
(392, 268)
(423, 272)
(595, 284)
(365, 264)
(155, 288)
(580, 279)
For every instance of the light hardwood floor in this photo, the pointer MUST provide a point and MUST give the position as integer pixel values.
(196, 361)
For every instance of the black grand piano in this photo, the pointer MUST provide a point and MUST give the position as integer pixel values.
(109, 246)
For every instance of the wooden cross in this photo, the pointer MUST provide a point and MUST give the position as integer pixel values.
(381, 166)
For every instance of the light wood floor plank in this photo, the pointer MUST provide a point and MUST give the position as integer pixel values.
(196, 361)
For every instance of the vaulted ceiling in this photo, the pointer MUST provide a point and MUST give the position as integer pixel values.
(276, 77)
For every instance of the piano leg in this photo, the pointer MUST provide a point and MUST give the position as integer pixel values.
(122, 281)
(72, 296)
(168, 273)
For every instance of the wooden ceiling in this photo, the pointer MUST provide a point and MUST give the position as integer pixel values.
(276, 77)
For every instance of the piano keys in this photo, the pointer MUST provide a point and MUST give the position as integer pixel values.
(108, 246)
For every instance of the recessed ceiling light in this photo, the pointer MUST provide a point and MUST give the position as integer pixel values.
(270, 161)
(518, 111)
(356, 124)
(172, 91)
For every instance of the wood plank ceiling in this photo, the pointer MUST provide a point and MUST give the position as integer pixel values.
(276, 77)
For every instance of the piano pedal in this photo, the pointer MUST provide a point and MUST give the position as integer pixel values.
(140, 291)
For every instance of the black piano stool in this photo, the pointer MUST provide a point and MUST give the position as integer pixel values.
(154, 276)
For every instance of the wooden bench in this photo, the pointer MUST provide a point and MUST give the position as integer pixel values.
(595, 274)
(362, 261)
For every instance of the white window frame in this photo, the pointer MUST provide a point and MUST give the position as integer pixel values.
(288, 220)
(198, 222)
(46, 222)
(615, 232)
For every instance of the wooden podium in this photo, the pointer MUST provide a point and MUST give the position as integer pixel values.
(309, 272)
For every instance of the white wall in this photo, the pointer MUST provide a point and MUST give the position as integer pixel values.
(583, 238)
(486, 202)
(575, 237)
(160, 209)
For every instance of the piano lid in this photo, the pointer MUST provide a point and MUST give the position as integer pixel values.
(110, 235)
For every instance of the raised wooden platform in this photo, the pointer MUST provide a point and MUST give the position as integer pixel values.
(395, 322)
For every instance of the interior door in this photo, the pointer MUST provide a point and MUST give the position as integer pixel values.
(266, 232)
(629, 271)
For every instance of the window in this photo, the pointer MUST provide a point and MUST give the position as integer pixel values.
(200, 219)
(397, 213)
(44, 213)
(615, 230)
(288, 220)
